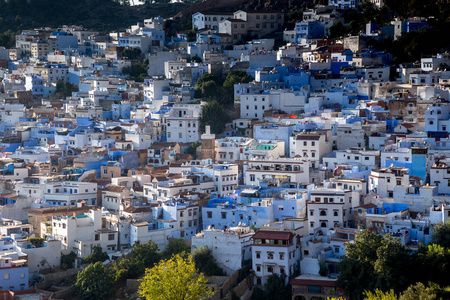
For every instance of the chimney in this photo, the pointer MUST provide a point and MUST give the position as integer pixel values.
(207, 129)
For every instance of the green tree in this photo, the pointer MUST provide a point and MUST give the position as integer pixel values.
(228, 85)
(175, 278)
(196, 59)
(441, 234)
(258, 293)
(337, 30)
(94, 282)
(211, 90)
(276, 289)
(205, 262)
(192, 150)
(131, 53)
(418, 292)
(66, 88)
(134, 264)
(96, 255)
(137, 72)
(374, 262)
(67, 260)
(191, 35)
(379, 295)
(432, 263)
(206, 78)
(215, 115)
(177, 246)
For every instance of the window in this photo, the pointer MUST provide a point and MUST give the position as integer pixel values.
(22, 275)
(281, 255)
(311, 212)
(269, 255)
(258, 268)
(269, 269)
(258, 254)
(111, 237)
(209, 214)
(252, 177)
(323, 212)
(97, 237)
(399, 182)
(224, 215)
(5, 276)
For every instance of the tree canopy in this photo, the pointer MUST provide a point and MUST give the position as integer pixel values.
(94, 282)
(134, 264)
(66, 88)
(441, 234)
(96, 255)
(215, 115)
(205, 262)
(177, 246)
(176, 278)
(373, 262)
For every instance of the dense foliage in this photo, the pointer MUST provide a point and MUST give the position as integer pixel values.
(96, 255)
(99, 15)
(67, 260)
(441, 234)
(133, 265)
(214, 115)
(94, 282)
(205, 262)
(177, 246)
(175, 278)
(65, 88)
(376, 262)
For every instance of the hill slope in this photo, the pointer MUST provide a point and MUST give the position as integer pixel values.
(93, 14)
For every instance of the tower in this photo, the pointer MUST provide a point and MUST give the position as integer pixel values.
(208, 146)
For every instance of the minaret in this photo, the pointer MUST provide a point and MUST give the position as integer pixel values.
(208, 146)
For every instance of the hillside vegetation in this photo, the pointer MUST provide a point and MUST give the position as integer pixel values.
(103, 15)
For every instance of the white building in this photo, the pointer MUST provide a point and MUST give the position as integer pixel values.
(229, 149)
(330, 208)
(183, 122)
(229, 247)
(365, 159)
(276, 172)
(82, 232)
(274, 252)
(209, 20)
(311, 146)
(69, 192)
(264, 149)
(350, 135)
(383, 181)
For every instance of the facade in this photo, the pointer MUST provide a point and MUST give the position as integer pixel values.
(69, 192)
(182, 123)
(13, 272)
(274, 252)
(329, 208)
(230, 248)
(282, 170)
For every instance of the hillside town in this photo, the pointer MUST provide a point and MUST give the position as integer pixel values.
(272, 155)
